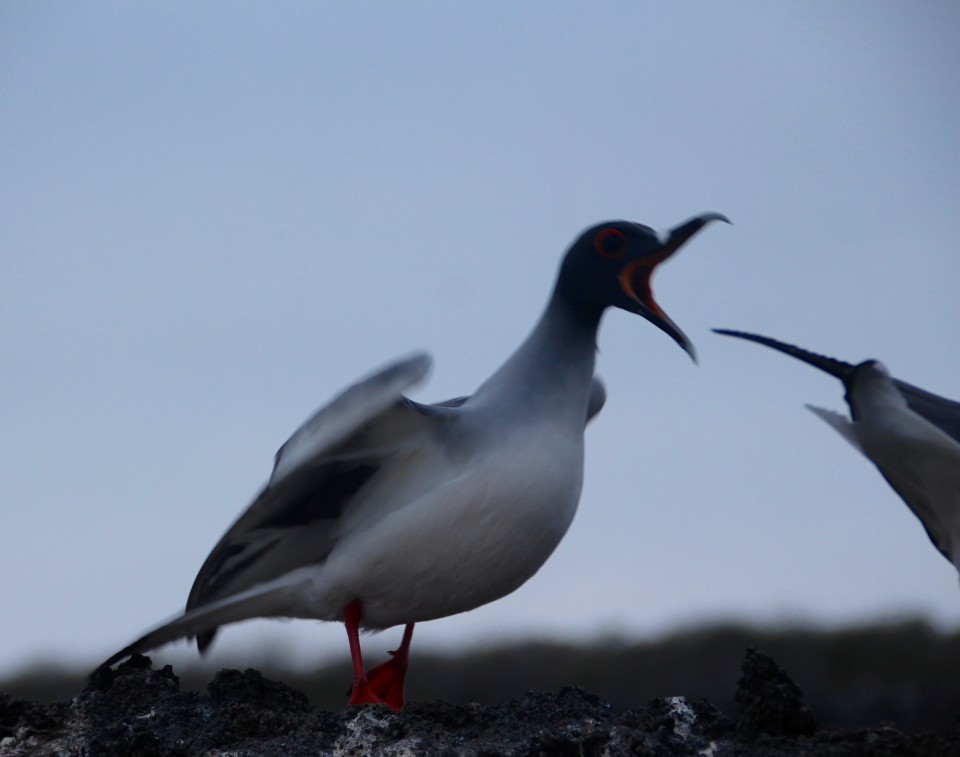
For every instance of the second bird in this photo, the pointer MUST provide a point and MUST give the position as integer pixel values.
(910, 434)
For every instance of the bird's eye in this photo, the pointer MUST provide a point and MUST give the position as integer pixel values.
(611, 243)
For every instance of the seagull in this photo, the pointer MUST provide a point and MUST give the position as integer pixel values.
(910, 434)
(382, 511)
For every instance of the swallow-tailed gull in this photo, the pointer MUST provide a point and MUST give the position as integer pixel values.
(382, 511)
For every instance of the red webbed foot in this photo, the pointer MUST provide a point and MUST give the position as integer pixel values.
(384, 684)
(387, 679)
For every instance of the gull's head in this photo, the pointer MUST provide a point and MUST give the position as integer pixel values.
(611, 264)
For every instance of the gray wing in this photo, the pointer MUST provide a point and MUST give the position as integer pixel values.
(357, 405)
(911, 491)
(940, 411)
(292, 522)
(598, 398)
(927, 513)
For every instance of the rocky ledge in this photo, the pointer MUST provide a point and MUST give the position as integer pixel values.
(136, 710)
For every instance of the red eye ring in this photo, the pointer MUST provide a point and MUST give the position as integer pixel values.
(610, 243)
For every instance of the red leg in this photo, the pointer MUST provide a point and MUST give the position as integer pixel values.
(386, 680)
(361, 692)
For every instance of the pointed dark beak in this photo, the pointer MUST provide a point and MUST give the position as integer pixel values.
(636, 275)
(681, 234)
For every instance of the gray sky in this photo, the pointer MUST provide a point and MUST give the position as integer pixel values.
(216, 216)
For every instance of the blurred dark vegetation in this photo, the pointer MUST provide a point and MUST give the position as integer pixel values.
(907, 674)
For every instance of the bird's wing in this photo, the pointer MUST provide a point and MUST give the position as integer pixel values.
(293, 521)
(839, 422)
(347, 413)
(930, 487)
(598, 398)
(273, 598)
(921, 464)
(940, 411)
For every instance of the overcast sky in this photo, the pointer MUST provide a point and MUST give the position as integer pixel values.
(216, 216)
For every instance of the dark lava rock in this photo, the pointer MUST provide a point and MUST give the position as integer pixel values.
(769, 701)
(136, 710)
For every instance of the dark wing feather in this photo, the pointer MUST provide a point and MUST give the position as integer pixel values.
(926, 514)
(940, 411)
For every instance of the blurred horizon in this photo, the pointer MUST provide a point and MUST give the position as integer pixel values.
(270, 651)
(903, 672)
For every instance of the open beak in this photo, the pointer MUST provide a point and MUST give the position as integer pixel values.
(635, 278)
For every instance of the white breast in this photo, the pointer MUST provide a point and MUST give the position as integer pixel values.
(466, 540)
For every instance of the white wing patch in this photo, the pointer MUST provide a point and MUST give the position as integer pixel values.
(344, 415)
(839, 422)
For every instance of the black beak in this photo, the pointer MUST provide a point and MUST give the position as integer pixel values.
(635, 278)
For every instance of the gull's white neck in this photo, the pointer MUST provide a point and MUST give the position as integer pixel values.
(552, 371)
